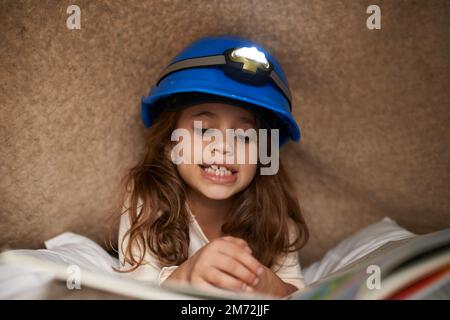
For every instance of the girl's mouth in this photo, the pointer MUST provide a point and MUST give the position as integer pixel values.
(219, 173)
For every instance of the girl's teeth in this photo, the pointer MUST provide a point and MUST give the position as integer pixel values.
(218, 171)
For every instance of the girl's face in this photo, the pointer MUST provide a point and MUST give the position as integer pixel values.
(222, 179)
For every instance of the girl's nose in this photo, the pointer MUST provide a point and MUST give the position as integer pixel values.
(223, 147)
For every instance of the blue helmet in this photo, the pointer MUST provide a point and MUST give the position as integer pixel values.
(230, 68)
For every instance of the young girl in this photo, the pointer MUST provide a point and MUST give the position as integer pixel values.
(214, 223)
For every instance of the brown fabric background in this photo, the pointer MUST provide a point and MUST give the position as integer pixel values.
(374, 107)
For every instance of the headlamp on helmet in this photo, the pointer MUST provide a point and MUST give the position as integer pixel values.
(244, 64)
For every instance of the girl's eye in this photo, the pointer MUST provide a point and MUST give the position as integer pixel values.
(200, 131)
(243, 138)
(204, 132)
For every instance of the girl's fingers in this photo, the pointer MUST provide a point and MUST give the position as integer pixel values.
(237, 270)
(226, 263)
(240, 264)
(223, 280)
(202, 284)
(238, 241)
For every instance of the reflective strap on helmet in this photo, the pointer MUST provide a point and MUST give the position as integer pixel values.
(219, 60)
(281, 85)
(192, 63)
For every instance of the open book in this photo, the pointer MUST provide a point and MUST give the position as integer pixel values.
(413, 268)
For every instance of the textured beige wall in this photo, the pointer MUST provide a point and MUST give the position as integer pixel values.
(374, 107)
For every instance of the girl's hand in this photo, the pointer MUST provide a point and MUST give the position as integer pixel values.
(226, 263)
(271, 284)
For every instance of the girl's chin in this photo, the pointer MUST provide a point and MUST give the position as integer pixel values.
(216, 193)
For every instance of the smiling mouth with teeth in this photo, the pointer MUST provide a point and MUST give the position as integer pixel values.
(218, 170)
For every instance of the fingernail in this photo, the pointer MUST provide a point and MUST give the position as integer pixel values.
(259, 271)
(255, 282)
(244, 287)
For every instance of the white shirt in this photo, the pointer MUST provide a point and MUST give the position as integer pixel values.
(290, 271)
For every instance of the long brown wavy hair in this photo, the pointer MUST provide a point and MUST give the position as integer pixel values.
(159, 219)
